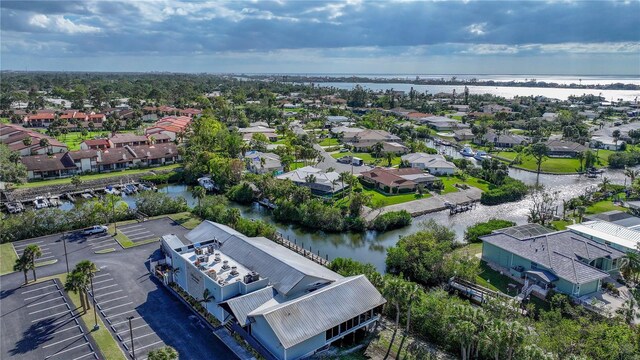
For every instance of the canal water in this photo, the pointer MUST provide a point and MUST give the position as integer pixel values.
(371, 246)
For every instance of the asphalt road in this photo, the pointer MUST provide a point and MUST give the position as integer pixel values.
(329, 162)
(159, 317)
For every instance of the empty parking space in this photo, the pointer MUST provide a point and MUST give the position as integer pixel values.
(116, 307)
(152, 229)
(41, 323)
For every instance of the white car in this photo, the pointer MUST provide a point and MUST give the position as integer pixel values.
(96, 229)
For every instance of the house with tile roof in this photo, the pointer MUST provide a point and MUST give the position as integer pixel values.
(434, 163)
(319, 181)
(14, 137)
(396, 181)
(565, 261)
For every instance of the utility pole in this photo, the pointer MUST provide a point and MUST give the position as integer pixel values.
(113, 217)
(93, 297)
(133, 351)
(64, 244)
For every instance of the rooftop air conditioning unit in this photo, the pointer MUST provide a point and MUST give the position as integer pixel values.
(198, 251)
(254, 276)
(225, 264)
(247, 279)
(234, 271)
(212, 274)
(221, 281)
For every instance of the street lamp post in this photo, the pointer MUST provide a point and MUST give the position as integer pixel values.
(113, 217)
(133, 351)
(93, 297)
(64, 244)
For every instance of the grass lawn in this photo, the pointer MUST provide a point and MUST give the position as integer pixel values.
(554, 165)
(73, 139)
(296, 165)
(471, 249)
(368, 158)
(561, 224)
(329, 142)
(385, 200)
(603, 206)
(106, 343)
(186, 219)
(283, 141)
(492, 279)
(7, 258)
(97, 176)
(449, 182)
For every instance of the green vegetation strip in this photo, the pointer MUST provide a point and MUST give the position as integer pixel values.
(97, 176)
(7, 258)
(105, 251)
(186, 219)
(45, 263)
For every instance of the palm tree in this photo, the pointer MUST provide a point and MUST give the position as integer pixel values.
(163, 353)
(580, 157)
(23, 263)
(632, 174)
(310, 178)
(27, 141)
(198, 192)
(344, 176)
(392, 291)
(76, 283)
(44, 142)
(32, 252)
(88, 269)
(629, 312)
(605, 184)
(410, 297)
(207, 297)
(390, 157)
(377, 148)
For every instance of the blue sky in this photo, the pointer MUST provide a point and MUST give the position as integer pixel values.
(464, 37)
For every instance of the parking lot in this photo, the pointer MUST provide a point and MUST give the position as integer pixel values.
(151, 229)
(53, 249)
(116, 307)
(39, 322)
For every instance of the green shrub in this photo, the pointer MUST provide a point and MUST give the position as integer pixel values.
(241, 193)
(164, 178)
(391, 220)
(511, 190)
(473, 233)
(158, 203)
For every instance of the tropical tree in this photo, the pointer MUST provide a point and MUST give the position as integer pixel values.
(207, 297)
(604, 185)
(632, 174)
(580, 157)
(198, 192)
(76, 180)
(629, 311)
(616, 136)
(467, 324)
(88, 270)
(76, 282)
(390, 157)
(392, 290)
(27, 141)
(377, 148)
(33, 252)
(44, 143)
(23, 263)
(410, 296)
(163, 353)
(540, 152)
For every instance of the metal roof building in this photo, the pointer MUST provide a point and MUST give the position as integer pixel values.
(616, 236)
(291, 305)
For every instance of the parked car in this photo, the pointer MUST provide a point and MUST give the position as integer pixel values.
(96, 229)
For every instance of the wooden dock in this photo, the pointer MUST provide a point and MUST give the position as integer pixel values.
(309, 254)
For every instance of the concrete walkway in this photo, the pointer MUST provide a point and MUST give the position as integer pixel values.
(431, 204)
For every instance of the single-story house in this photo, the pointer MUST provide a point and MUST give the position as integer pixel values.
(27, 142)
(319, 181)
(463, 135)
(395, 181)
(95, 144)
(263, 163)
(495, 108)
(364, 140)
(49, 166)
(503, 140)
(613, 235)
(434, 163)
(562, 148)
(441, 123)
(121, 140)
(247, 133)
(566, 261)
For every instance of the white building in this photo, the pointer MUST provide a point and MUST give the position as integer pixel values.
(291, 305)
(616, 236)
(434, 163)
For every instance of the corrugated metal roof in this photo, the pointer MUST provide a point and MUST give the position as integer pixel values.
(288, 272)
(243, 305)
(610, 232)
(302, 318)
(172, 241)
(208, 230)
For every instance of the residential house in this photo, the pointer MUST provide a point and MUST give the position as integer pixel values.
(97, 118)
(269, 294)
(441, 123)
(247, 133)
(40, 119)
(336, 119)
(395, 181)
(95, 144)
(495, 108)
(127, 139)
(564, 260)
(550, 116)
(27, 142)
(463, 135)
(562, 148)
(171, 126)
(506, 140)
(263, 163)
(49, 166)
(616, 217)
(364, 140)
(434, 163)
(319, 181)
(616, 236)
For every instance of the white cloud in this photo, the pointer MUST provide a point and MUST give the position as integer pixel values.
(478, 29)
(58, 23)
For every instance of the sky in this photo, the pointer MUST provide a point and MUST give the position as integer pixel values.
(350, 37)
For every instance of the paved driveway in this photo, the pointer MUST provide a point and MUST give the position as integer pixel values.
(329, 162)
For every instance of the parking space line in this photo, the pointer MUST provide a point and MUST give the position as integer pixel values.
(117, 306)
(146, 346)
(46, 301)
(61, 341)
(131, 227)
(105, 287)
(44, 287)
(32, 243)
(122, 313)
(85, 355)
(110, 300)
(103, 295)
(101, 275)
(69, 349)
(127, 330)
(108, 243)
(44, 258)
(49, 308)
(136, 231)
(102, 281)
(50, 316)
(42, 295)
(98, 238)
(125, 321)
(67, 329)
(136, 337)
